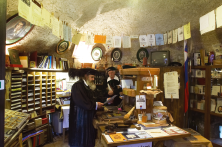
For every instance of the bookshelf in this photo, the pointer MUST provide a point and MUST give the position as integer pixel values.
(29, 90)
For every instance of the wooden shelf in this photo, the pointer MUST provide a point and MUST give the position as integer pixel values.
(197, 110)
(215, 114)
(36, 69)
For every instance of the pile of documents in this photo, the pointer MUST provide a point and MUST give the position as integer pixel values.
(133, 134)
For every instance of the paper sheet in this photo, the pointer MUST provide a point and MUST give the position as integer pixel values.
(134, 36)
(60, 29)
(187, 33)
(55, 26)
(159, 39)
(180, 34)
(143, 41)
(24, 9)
(204, 22)
(65, 32)
(82, 51)
(100, 39)
(219, 16)
(140, 102)
(156, 132)
(126, 42)
(170, 37)
(147, 144)
(211, 25)
(171, 87)
(165, 38)
(117, 41)
(65, 116)
(36, 15)
(108, 138)
(69, 33)
(215, 90)
(151, 39)
(83, 37)
(76, 38)
(126, 83)
(175, 36)
(46, 17)
(89, 39)
(109, 41)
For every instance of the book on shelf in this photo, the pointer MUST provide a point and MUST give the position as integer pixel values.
(34, 57)
(24, 61)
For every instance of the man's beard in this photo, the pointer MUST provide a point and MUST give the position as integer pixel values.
(91, 84)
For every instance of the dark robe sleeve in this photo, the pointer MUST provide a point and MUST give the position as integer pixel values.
(81, 98)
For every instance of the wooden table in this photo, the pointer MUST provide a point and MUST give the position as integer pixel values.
(105, 143)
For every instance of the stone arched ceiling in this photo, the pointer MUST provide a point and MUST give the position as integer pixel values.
(115, 17)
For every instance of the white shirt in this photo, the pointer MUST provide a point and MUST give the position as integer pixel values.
(88, 85)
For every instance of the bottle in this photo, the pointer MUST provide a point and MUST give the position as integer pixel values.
(206, 59)
(198, 60)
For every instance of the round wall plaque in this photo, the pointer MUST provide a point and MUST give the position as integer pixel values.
(62, 46)
(116, 55)
(96, 53)
(142, 52)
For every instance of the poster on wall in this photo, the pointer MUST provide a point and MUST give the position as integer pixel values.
(140, 102)
(143, 41)
(16, 29)
(159, 39)
(151, 39)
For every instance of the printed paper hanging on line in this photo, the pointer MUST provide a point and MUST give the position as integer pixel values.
(187, 33)
(24, 9)
(170, 37)
(36, 15)
(165, 38)
(69, 33)
(89, 39)
(204, 22)
(151, 39)
(83, 37)
(109, 41)
(175, 36)
(140, 102)
(117, 41)
(211, 26)
(126, 42)
(100, 39)
(159, 39)
(60, 29)
(180, 34)
(46, 17)
(65, 32)
(143, 41)
(219, 16)
(76, 38)
(171, 88)
(55, 27)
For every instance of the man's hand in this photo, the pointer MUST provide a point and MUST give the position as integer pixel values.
(110, 101)
(110, 92)
(100, 105)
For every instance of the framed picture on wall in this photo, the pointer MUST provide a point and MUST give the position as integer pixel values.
(116, 55)
(16, 29)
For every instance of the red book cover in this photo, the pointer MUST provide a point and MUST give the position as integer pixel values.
(16, 65)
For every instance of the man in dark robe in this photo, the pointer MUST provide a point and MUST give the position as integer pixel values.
(82, 109)
(113, 86)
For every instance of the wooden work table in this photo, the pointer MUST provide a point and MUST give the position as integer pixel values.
(105, 143)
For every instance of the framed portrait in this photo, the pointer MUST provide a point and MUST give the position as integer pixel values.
(16, 29)
(116, 55)
(141, 53)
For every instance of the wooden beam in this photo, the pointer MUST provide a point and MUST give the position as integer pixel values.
(3, 6)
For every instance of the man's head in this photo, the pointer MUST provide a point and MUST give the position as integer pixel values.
(19, 25)
(90, 81)
(111, 72)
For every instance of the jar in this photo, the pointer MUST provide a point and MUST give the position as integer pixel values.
(159, 114)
